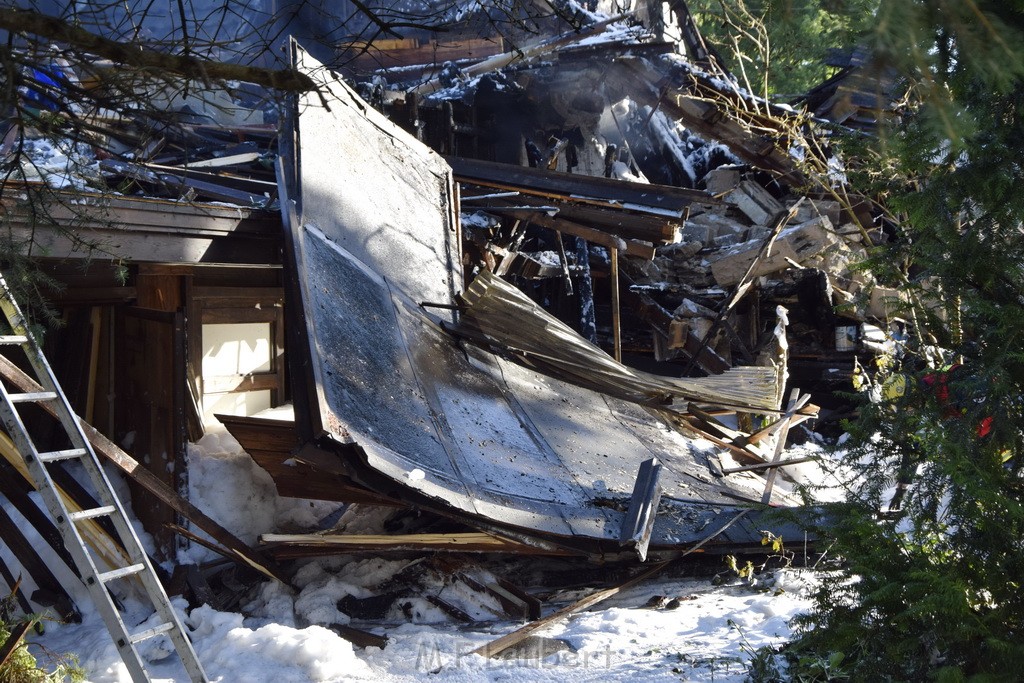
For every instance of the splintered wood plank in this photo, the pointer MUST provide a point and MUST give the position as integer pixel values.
(14, 640)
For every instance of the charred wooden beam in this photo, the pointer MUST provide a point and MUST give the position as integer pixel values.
(652, 199)
(315, 545)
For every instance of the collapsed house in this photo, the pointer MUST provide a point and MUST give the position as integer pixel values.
(565, 300)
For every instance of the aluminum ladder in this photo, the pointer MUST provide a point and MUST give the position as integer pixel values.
(81, 451)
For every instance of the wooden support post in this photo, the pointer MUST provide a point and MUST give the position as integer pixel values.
(616, 322)
(795, 403)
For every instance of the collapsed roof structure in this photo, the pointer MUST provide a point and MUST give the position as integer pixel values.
(539, 293)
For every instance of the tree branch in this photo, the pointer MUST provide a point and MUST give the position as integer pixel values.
(134, 55)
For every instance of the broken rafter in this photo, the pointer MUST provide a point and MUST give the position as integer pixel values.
(311, 545)
(761, 466)
(633, 248)
(659, 200)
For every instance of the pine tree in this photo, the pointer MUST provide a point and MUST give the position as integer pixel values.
(779, 47)
(932, 590)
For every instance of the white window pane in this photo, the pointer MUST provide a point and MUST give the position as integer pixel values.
(236, 349)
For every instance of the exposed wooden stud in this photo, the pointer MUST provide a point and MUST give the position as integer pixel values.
(616, 322)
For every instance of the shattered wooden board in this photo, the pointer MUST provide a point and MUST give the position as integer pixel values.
(454, 428)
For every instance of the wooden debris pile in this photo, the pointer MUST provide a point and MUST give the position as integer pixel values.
(138, 134)
(637, 197)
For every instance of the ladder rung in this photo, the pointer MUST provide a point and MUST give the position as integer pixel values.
(90, 514)
(54, 456)
(121, 573)
(151, 632)
(13, 339)
(35, 397)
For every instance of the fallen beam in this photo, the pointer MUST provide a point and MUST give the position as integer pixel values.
(306, 545)
(768, 465)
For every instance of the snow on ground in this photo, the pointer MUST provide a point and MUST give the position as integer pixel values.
(666, 629)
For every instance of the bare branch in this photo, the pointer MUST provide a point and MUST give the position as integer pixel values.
(19, 21)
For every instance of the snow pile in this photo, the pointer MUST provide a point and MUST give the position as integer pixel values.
(230, 651)
(226, 484)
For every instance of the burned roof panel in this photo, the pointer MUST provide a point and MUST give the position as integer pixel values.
(373, 190)
(448, 426)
